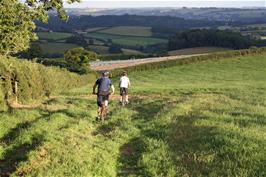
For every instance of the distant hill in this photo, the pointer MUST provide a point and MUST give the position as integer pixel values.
(86, 21)
(244, 15)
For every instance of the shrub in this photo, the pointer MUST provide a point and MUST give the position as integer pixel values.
(35, 81)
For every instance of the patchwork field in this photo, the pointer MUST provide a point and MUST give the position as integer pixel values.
(126, 40)
(201, 119)
(52, 47)
(129, 31)
(53, 35)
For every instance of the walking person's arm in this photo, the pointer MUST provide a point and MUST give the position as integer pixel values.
(94, 89)
(113, 89)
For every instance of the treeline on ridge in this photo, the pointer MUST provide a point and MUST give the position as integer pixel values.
(86, 21)
(209, 37)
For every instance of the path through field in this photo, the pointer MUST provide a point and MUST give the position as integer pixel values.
(110, 65)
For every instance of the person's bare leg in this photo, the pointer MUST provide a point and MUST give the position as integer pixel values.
(127, 99)
(106, 107)
(102, 112)
(99, 111)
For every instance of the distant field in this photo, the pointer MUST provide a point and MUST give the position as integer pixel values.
(99, 49)
(51, 48)
(95, 29)
(127, 40)
(131, 52)
(263, 37)
(102, 36)
(129, 31)
(53, 35)
(196, 50)
(138, 41)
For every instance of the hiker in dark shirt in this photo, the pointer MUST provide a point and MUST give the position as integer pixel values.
(104, 86)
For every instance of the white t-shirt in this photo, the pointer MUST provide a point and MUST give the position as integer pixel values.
(124, 82)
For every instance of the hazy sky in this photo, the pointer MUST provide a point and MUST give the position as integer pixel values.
(167, 3)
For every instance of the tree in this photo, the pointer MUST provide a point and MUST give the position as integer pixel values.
(77, 39)
(79, 58)
(33, 51)
(17, 21)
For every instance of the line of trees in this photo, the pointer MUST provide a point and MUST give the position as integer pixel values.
(209, 37)
(86, 21)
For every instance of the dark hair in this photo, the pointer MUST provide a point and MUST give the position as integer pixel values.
(105, 73)
(124, 73)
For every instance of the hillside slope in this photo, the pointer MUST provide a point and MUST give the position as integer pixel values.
(200, 119)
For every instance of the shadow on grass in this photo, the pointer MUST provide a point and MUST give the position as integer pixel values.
(130, 154)
(146, 111)
(192, 148)
(17, 154)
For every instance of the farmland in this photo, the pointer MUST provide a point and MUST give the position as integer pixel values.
(52, 47)
(130, 38)
(53, 35)
(199, 119)
(129, 31)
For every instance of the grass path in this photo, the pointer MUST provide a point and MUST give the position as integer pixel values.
(205, 119)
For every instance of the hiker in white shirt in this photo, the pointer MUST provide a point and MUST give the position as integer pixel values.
(124, 85)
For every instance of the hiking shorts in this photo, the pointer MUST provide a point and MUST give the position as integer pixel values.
(123, 90)
(102, 97)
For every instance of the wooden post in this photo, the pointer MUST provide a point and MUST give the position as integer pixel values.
(16, 91)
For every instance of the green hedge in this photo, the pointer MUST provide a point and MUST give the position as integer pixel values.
(35, 81)
(171, 63)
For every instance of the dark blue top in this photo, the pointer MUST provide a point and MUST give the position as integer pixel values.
(104, 84)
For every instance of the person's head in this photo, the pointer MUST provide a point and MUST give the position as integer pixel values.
(124, 73)
(105, 73)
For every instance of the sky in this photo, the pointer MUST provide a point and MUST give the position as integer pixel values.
(167, 3)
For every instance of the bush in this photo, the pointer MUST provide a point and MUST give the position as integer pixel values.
(35, 81)
(79, 59)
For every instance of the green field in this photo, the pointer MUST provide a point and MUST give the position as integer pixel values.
(263, 37)
(95, 29)
(139, 41)
(99, 49)
(127, 40)
(131, 52)
(53, 35)
(129, 31)
(200, 119)
(51, 47)
(197, 50)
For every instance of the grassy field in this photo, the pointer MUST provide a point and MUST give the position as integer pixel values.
(263, 37)
(95, 29)
(138, 41)
(53, 35)
(51, 47)
(201, 119)
(127, 40)
(99, 49)
(129, 31)
(196, 50)
(131, 52)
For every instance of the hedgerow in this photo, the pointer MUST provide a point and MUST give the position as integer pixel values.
(171, 63)
(35, 81)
